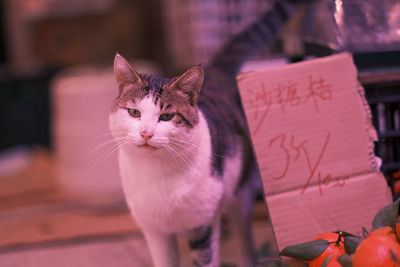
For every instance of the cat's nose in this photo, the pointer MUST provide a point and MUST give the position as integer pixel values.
(146, 135)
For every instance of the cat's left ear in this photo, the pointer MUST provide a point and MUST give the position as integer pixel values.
(189, 84)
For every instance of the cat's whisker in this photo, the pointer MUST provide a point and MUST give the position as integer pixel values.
(181, 148)
(115, 149)
(175, 158)
(189, 160)
(179, 155)
(103, 156)
(124, 144)
(187, 146)
(105, 143)
(184, 147)
(109, 134)
(112, 150)
(192, 149)
(184, 142)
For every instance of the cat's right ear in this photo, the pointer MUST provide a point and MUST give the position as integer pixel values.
(125, 75)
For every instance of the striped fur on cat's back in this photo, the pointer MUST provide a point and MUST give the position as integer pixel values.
(184, 150)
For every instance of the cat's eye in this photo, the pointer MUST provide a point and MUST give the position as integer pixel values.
(166, 116)
(134, 112)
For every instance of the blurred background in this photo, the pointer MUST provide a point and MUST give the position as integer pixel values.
(58, 174)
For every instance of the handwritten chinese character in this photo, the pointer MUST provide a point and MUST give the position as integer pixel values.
(318, 89)
(261, 100)
(287, 95)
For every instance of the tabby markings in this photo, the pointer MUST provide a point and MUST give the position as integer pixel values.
(201, 243)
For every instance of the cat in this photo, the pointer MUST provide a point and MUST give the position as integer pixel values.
(185, 155)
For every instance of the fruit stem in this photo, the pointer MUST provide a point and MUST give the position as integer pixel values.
(339, 238)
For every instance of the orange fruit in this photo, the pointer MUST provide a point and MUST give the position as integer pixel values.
(384, 231)
(377, 249)
(336, 248)
(396, 187)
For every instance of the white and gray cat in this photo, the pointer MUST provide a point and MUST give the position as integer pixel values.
(184, 150)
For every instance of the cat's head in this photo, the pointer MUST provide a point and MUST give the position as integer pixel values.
(152, 112)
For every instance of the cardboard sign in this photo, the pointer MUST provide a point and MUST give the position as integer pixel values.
(311, 131)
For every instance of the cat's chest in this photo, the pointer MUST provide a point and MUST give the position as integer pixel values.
(184, 199)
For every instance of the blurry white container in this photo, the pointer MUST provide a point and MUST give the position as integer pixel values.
(86, 156)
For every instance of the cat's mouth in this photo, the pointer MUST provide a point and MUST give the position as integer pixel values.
(147, 146)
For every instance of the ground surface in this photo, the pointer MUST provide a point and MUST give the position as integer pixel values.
(41, 226)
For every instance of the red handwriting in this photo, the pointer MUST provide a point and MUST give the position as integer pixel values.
(282, 144)
(292, 150)
(313, 168)
(318, 89)
(287, 95)
(264, 98)
(330, 181)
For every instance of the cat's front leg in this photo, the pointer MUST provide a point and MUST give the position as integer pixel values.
(163, 248)
(204, 244)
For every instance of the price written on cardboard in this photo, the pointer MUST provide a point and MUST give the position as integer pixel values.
(291, 152)
(288, 96)
(285, 112)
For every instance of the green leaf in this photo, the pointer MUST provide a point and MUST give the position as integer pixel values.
(345, 260)
(326, 261)
(351, 243)
(365, 232)
(387, 216)
(306, 251)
